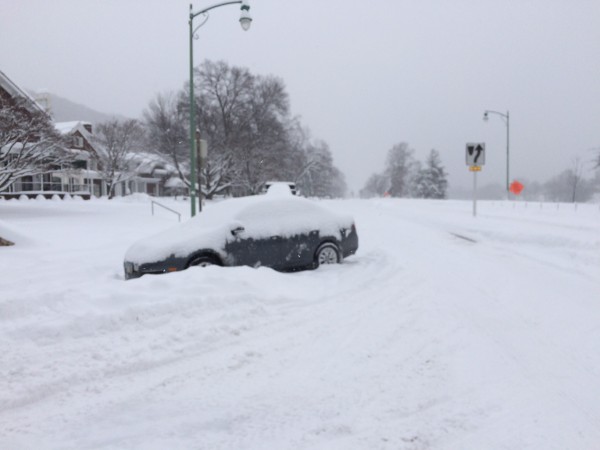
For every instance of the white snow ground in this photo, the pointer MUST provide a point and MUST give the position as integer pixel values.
(424, 339)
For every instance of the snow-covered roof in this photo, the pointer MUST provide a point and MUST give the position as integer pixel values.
(151, 163)
(175, 182)
(15, 91)
(70, 127)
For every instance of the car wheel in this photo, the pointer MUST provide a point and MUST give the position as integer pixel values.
(203, 261)
(327, 253)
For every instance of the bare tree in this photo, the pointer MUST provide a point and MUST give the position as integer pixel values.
(251, 138)
(298, 161)
(376, 186)
(400, 165)
(596, 161)
(29, 143)
(167, 134)
(569, 185)
(321, 178)
(117, 143)
(575, 177)
(261, 152)
(223, 97)
(244, 119)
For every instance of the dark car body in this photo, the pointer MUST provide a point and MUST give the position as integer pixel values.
(285, 234)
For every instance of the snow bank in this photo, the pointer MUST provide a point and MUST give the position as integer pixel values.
(9, 234)
(422, 340)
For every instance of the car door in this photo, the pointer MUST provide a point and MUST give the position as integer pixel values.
(241, 248)
(251, 247)
(297, 251)
(248, 249)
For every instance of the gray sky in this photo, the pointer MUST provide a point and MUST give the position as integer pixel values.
(361, 75)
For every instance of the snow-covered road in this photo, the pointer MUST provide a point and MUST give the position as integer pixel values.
(444, 331)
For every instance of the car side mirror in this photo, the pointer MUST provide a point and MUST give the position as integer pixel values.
(237, 230)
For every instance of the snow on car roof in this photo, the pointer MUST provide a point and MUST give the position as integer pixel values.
(290, 215)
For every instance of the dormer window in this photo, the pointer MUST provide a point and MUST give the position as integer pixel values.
(77, 142)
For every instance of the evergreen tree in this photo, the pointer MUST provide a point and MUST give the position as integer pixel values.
(431, 181)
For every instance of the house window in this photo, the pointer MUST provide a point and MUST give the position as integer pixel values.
(27, 183)
(77, 142)
(79, 164)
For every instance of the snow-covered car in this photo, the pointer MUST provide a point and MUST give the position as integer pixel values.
(274, 185)
(284, 232)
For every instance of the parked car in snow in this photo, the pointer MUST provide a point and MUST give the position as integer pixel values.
(274, 185)
(284, 232)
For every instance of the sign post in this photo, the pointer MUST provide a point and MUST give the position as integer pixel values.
(475, 158)
(202, 150)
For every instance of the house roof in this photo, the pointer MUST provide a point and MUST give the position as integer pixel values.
(175, 182)
(15, 91)
(71, 127)
(148, 163)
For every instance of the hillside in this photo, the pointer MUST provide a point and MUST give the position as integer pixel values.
(64, 110)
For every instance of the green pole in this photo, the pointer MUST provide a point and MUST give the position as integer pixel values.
(192, 121)
(245, 22)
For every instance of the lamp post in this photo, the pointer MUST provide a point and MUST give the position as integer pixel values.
(245, 21)
(506, 118)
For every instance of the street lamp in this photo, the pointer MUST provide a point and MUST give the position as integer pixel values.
(245, 21)
(506, 119)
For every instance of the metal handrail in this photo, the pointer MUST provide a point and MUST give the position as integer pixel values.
(152, 203)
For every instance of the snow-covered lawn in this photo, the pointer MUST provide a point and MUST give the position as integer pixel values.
(444, 331)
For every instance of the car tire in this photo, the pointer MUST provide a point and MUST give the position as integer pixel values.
(327, 253)
(203, 261)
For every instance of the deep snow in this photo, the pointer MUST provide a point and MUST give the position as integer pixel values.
(444, 331)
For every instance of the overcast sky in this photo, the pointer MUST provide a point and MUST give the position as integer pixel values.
(361, 75)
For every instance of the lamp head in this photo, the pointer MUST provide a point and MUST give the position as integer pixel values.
(485, 116)
(245, 19)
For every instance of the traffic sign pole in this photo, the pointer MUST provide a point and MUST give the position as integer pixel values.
(475, 159)
(474, 193)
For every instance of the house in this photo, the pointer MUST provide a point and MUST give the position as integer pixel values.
(151, 174)
(81, 172)
(81, 176)
(20, 151)
(78, 176)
